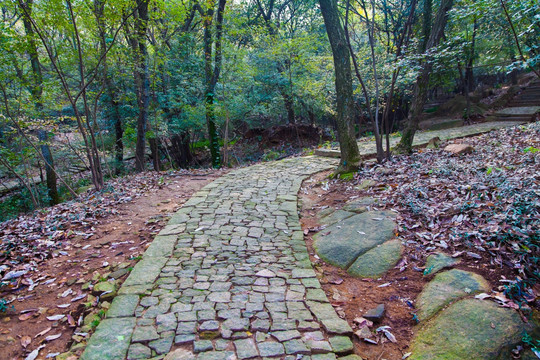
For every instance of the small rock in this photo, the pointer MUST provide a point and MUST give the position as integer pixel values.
(105, 287)
(437, 262)
(266, 273)
(376, 314)
(366, 184)
(434, 143)
(179, 354)
(459, 149)
(118, 273)
(363, 333)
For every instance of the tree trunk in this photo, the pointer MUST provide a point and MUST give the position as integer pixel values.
(142, 84)
(180, 150)
(422, 82)
(350, 157)
(289, 106)
(36, 89)
(54, 198)
(426, 24)
(99, 9)
(212, 74)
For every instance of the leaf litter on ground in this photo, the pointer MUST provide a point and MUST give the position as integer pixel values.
(483, 206)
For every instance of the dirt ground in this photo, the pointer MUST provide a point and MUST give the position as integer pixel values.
(352, 297)
(117, 239)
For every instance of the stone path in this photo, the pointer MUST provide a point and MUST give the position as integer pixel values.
(421, 138)
(229, 277)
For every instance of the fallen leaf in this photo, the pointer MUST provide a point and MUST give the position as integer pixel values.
(43, 332)
(55, 317)
(25, 341)
(71, 321)
(482, 296)
(53, 337)
(77, 298)
(26, 316)
(34, 354)
(66, 293)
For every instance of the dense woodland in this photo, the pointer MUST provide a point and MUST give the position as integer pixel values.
(93, 89)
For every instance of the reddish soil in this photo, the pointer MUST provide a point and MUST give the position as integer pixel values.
(119, 238)
(396, 290)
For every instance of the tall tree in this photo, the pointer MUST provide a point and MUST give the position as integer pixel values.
(212, 69)
(36, 90)
(350, 156)
(422, 81)
(99, 13)
(137, 41)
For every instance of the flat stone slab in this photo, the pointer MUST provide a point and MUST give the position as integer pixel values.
(438, 261)
(335, 217)
(447, 287)
(341, 244)
(440, 123)
(358, 206)
(377, 261)
(111, 339)
(422, 138)
(469, 329)
(518, 111)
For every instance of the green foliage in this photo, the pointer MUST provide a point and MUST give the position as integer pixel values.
(531, 149)
(533, 343)
(4, 306)
(272, 154)
(347, 176)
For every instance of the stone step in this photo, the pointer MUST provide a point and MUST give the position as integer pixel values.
(513, 118)
(523, 103)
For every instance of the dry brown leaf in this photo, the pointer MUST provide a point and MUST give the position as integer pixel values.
(25, 341)
(43, 332)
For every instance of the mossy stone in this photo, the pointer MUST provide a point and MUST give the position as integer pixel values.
(378, 260)
(335, 217)
(342, 243)
(469, 329)
(438, 261)
(446, 287)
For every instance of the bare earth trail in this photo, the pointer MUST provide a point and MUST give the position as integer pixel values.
(229, 277)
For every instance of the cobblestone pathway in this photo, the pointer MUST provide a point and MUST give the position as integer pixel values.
(229, 277)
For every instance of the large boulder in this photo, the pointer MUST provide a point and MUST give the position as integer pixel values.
(438, 261)
(342, 243)
(377, 261)
(469, 329)
(447, 287)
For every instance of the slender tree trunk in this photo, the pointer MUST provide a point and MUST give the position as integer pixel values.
(350, 157)
(54, 197)
(142, 84)
(99, 8)
(422, 82)
(36, 89)
(212, 74)
(426, 24)
(403, 40)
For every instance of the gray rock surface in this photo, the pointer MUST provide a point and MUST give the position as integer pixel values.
(469, 329)
(377, 261)
(447, 287)
(341, 244)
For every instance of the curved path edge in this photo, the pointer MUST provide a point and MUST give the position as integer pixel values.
(229, 277)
